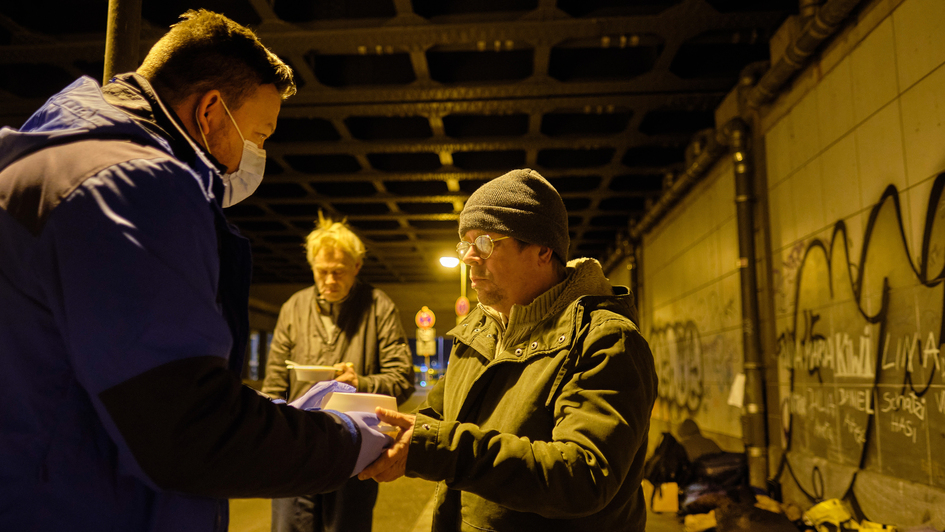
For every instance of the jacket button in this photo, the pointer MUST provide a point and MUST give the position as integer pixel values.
(518, 351)
(475, 330)
(426, 426)
(534, 345)
(560, 338)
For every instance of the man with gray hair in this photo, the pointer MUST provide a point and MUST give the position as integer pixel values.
(354, 327)
(541, 420)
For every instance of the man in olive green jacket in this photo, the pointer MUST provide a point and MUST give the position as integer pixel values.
(541, 420)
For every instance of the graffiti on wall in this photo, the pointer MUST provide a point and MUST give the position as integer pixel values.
(677, 352)
(698, 355)
(862, 353)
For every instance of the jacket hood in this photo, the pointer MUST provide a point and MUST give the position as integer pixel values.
(586, 278)
(78, 111)
(81, 111)
(585, 281)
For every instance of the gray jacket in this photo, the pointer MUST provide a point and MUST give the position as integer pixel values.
(370, 337)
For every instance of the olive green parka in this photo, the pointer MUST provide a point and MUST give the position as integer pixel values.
(543, 426)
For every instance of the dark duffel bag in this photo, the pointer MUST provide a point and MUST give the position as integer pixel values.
(721, 470)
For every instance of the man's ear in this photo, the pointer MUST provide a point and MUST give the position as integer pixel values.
(207, 108)
(545, 255)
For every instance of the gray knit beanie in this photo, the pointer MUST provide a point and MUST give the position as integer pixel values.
(521, 204)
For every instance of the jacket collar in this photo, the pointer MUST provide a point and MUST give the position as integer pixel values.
(585, 284)
(134, 95)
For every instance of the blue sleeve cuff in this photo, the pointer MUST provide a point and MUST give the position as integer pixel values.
(352, 427)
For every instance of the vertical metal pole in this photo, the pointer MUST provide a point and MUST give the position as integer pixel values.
(462, 278)
(755, 422)
(122, 37)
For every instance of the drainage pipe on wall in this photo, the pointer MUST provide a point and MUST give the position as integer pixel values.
(825, 23)
(755, 431)
(122, 36)
(733, 137)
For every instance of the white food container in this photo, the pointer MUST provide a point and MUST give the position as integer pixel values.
(311, 373)
(357, 402)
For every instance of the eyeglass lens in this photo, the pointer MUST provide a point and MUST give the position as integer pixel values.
(484, 245)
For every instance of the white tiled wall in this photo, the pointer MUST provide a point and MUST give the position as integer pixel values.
(918, 42)
(875, 119)
(873, 72)
(835, 103)
(690, 274)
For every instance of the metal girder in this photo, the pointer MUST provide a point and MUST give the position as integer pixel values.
(385, 198)
(534, 87)
(588, 101)
(375, 175)
(556, 41)
(527, 33)
(527, 143)
(680, 22)
(290, 39)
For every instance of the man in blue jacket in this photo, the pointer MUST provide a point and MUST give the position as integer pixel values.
(123, 301)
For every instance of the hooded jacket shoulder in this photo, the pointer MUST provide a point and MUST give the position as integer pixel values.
(123, 327)
(81, 112)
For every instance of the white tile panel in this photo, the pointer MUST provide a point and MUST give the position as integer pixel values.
(713, 251)
(731, 292)
(806, 118)
(855, 225)
(920, 47)
(728, 246)
(835, 102)
(779, 146)
(783, 277)
(697, 213)
(923, 120)
(781, 205)
(873, 71)
(879, 153)
(917, 199)
(809, 199)
(841, 182)
(724, 197)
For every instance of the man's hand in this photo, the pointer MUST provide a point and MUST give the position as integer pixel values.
(392, 463)
(344, 372)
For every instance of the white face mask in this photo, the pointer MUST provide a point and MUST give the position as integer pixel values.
(243, 182)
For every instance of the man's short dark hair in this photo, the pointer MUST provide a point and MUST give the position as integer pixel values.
(206, 51)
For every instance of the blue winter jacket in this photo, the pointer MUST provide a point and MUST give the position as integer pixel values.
(123, 321)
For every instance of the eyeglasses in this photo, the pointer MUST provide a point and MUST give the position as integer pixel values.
(485, 245)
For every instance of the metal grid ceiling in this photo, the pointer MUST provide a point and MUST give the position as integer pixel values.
(405, 107)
